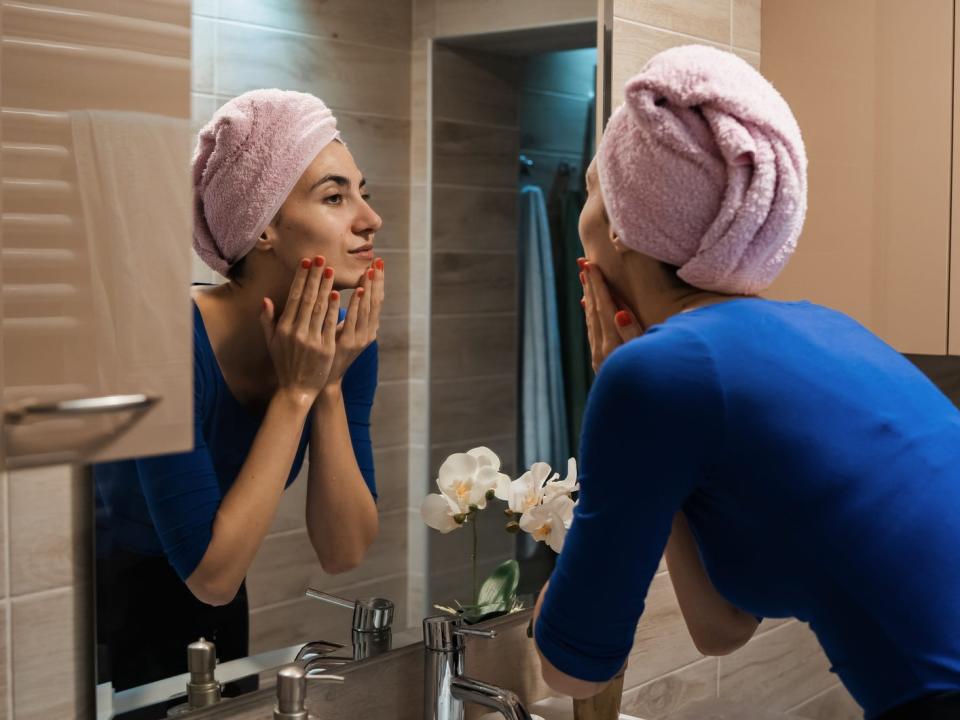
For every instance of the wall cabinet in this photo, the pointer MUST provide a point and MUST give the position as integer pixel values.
(95, 235)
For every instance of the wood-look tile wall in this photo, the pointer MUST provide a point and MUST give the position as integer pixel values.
(782, 667)
(356, 57)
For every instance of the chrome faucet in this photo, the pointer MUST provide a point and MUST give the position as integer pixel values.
(446, 688)
(372, 622)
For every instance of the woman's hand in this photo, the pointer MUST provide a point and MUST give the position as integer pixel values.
(302, 342)
(608, 326)
(359, 327)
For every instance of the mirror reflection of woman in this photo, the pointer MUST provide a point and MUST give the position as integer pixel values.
(786, 461)
(284, 371)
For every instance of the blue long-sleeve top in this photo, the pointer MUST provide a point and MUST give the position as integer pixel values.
(819, 471)
(166, 504)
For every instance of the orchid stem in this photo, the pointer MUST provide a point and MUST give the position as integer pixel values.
(473, 558)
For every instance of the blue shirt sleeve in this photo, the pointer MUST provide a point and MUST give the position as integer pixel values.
(182, 493)
(359, 388)
(650, 428)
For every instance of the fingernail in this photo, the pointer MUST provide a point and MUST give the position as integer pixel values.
(379, 263)
(581, 262)
(319, 260)
(328, 272)
(370, 273)
(264, 303)
(360, 292)
(305, 263)
(622, 318)
(583, 279)
(334, 295)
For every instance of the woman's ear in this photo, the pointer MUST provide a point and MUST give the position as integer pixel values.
(617, 242)
(268, 238)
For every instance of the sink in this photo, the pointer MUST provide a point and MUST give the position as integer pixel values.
(554, 708)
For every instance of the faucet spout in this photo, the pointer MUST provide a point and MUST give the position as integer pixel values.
(506, 702)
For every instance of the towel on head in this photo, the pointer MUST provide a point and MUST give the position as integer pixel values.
(703, 167)
(247, 160)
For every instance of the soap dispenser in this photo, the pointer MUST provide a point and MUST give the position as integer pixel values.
(292, 691)
(203, 690)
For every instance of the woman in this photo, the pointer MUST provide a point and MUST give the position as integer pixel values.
(790, 462)
(281, 211)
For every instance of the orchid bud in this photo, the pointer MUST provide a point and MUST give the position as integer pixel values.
(474, 508)
(513, 527)
(460, 518)
(491, 494)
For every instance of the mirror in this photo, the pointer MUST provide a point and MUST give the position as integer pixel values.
(479, 203)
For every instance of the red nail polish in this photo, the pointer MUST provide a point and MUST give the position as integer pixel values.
(583, 279)
(359, 292)
(328, 272)
(581, 262)
(334, 295)
(370, 274)
(623, 318)
(379, 263)
(305, 263)
(319, 260)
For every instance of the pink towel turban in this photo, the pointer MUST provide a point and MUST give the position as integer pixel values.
(703, 167)
(248, 158)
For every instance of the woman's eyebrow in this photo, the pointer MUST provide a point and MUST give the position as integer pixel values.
(338, 179)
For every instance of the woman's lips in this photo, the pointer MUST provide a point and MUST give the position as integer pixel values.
(363, 254)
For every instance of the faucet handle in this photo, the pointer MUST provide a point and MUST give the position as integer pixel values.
(292, 691)
(489, 634)
(370, 615)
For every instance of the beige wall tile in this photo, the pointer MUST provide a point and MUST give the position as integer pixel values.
(392, 204)
(396, 300)
(419, 212)
(472, 282)
(706, 19)
(662, 641)
(473, 345)
(424, 19)
(776, 670)
(746, 24)
(633, 46)
(388, 422)
(751, 57)
(671, 693)
(287, 564)
(392, 468)
(52, 655)
(4, 515)
(480, 408)
(467, 17)
(393, 341)
(369, 22)
(455, 213)
(380, 146)
(303, 619)
(834, 704)
(293, 503)
(495, 78)
(51, 519)
(4, 656)
(203, 49)
(348, 77)
(475, 155)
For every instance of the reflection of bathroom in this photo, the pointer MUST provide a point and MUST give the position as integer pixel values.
(473, 123)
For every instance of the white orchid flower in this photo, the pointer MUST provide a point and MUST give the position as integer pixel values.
(438, 512)
(563, 487)
(549, 522)
(526, 491)
(485, 457)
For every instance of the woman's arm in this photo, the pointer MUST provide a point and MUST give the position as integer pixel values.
(248, 508)
(716, 626)
(341, 515)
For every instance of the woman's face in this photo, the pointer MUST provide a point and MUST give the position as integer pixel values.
(595, 232)
(328, 213)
